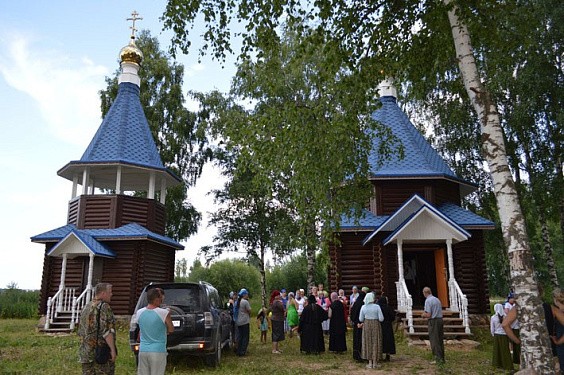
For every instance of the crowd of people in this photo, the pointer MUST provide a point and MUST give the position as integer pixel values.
(319, 316)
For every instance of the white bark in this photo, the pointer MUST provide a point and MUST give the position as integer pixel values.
(535, 352)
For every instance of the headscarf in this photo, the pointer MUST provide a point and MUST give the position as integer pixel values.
(334, 296)
(365, 289)
(311, 300)
(369, 298)
(275, 293)
(498, 308)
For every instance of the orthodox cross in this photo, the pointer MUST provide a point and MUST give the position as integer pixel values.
(134, 17)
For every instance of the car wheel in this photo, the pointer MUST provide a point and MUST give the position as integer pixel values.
(214, 359)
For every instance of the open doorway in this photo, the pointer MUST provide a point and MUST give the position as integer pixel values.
(420, 270)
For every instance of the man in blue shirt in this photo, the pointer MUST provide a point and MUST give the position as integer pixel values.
(434, 313)
(154, 325)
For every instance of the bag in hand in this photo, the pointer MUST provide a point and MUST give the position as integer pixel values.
(102, 354)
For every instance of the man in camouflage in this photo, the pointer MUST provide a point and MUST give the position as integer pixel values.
(106, 332)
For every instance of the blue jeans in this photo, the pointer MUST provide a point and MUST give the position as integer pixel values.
(243, 340)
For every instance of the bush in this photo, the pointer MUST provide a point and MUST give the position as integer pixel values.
(18, 304)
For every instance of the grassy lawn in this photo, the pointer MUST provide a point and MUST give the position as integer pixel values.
(25, 351)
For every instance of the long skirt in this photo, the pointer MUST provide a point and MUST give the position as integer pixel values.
(501, 357)
(371, 340)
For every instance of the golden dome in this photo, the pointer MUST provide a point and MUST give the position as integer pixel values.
(131, 53)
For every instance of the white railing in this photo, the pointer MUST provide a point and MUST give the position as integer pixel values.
(405, 303)
(61, 302)
(459, 303)
(78, 304)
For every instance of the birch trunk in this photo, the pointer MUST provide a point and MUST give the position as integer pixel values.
(535, 347)
(263, 276)
(310, 256)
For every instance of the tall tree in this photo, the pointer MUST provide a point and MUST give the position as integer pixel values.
(183, 148)
(306, 139)
(250, 220)
(390, 35)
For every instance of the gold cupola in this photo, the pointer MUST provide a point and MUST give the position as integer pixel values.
(131, 53)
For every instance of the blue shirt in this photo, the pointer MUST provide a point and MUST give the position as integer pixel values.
(153, 329)
(434, 307)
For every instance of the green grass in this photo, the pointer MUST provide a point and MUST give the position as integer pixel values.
(25, 351)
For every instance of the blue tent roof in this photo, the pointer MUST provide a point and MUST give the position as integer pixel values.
(131, 231)
(124, 135)
(420, 159)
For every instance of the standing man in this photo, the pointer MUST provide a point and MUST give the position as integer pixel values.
(154, 325)
(434, 314)
(97, 327)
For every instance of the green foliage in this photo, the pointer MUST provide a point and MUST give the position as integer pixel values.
(249, 219)
(518, 48)
(181, 144)
(292, 274)
(225, 275)
(17, 303)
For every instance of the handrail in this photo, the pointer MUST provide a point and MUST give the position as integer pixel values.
(405, 303)
(62, 301)
(50, 310)
(78, 304)
(459, 303)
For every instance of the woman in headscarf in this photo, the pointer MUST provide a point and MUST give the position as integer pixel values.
(388, 339)
(501, 356)
(310, 330)
(277, 320)
(370, 318)
(292, 317)
(357, 329)
(337, 325)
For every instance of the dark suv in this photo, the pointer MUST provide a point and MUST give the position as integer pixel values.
(202, 324)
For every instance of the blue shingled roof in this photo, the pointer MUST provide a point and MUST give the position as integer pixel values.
(458, 215)
(464, 217)
(124, 135)
(131, 231)
(420, 159)
(89, 242)
(367, 221)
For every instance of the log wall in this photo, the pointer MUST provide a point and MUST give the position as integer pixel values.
(115, 210)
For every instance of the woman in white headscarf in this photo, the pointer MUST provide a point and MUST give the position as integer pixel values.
(370, 318)
(501, 356)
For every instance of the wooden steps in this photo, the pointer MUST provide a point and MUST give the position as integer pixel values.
(453, 327)
(61, 324)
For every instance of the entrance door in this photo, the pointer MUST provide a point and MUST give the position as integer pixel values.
(441, 275)
(428, 266)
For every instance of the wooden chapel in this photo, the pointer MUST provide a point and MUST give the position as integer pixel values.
(111, 235)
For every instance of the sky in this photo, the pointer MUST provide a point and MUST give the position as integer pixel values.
(54, 56)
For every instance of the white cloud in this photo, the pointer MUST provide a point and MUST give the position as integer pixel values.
(64, 88)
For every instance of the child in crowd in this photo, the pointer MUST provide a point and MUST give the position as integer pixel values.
(262, 323)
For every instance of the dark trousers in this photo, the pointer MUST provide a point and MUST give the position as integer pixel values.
(436, 337)
(243, 340)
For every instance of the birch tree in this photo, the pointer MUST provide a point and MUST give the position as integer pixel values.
(532, 327)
